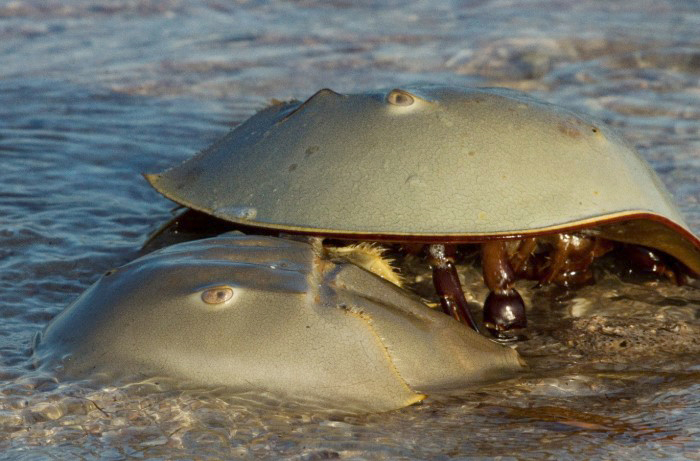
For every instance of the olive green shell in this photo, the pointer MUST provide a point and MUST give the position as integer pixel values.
(296, 325)
(430, 163)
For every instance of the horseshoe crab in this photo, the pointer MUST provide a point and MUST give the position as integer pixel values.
(267, 314)
(543, 190)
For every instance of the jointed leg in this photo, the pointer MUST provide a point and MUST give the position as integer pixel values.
(570, 259)
(520, 259)
(649, 260)
(504, 308)
(446, 282)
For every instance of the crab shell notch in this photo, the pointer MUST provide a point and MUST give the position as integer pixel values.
(434, 165)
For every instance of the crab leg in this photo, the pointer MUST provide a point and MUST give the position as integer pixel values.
(570, 260)
(519, 260)
(504, 309)
(650, 260)
(447, 286)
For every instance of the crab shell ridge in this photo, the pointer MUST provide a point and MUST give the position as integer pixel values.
(431, 163)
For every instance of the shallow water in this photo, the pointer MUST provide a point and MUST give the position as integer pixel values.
(94, 93)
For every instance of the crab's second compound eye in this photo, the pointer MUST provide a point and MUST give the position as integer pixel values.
(217, 295)
(398, 97)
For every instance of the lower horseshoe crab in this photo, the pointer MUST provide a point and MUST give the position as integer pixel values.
(543, 190)
(268, 314)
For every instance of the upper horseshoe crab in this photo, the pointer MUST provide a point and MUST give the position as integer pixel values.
(268, 314)
(542, 189)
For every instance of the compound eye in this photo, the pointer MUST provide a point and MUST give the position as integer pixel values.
(398, 97)
(217, 295)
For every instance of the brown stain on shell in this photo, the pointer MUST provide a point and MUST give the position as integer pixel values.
(311, 150)
(569, 130)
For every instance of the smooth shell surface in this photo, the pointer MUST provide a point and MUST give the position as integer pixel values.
(430, 163)
(261, 313)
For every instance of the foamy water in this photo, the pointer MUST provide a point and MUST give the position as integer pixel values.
(92, 94)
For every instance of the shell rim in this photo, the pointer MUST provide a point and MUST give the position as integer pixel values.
(463, 237)
(456, 237)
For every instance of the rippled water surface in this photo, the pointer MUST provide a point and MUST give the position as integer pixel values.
(94, 93)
